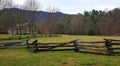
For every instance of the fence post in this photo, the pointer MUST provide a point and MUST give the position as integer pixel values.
(76, 46)
(35, 46)
(108, 45)
(27, 43)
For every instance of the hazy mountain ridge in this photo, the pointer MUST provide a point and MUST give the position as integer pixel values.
(38, 15)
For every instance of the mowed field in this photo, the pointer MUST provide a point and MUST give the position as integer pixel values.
(20, 56)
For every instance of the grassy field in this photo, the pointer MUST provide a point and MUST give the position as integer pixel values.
(20, 56)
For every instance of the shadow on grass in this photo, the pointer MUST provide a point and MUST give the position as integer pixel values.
(84, 52)
(93, 53)
(46, 50)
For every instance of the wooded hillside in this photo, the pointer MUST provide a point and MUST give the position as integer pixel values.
(90, 23)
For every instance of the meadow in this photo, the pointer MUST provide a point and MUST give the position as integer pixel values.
(21, 56)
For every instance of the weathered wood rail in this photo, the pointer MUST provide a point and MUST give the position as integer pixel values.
(11, 43)
(35, 46)
(97, 47)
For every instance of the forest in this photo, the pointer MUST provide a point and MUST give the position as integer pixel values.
(90, 23)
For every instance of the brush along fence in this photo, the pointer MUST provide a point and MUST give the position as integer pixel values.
(104, 47)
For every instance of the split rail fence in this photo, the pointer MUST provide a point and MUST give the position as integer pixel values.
(108, 46)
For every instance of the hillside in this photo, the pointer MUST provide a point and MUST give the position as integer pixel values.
(38, 15)
(10, 17)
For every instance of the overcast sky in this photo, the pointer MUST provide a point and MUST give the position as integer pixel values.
(77, 6)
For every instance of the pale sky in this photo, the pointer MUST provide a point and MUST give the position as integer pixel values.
(77, 6)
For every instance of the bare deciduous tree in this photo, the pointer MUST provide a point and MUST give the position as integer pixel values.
(32, 5)
(16, 6)
(6, 4)
(52, 9)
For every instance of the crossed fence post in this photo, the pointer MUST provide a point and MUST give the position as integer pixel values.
(27, 43)
(76, 46)
(108, 46)
(35, 46)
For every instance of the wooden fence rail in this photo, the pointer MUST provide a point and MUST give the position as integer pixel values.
(9, 44)
(92, 42)
(96, 47)
(35, 46)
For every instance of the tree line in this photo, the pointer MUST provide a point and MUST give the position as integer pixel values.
(90, 23)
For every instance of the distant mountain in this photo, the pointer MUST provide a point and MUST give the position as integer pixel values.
(38, 15)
